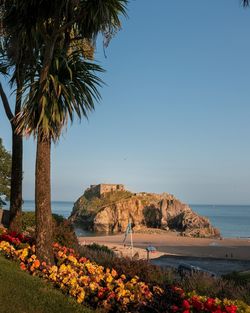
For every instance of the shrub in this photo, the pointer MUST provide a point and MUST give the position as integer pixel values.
(64, 234)
(100, 248)
(216, 287)
(28, 220)
(63, 231)
(146, 271)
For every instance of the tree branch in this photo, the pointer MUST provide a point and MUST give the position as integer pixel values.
(6, 104)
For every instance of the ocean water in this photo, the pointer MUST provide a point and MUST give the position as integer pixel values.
(63, 208)
(232, 220)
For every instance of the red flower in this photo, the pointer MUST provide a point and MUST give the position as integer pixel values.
(231, 309)
(83, 260)
(217, 311)
(174, 308)
(186, 304)
(13, 233)
(100, 294)
(196, 303)
(111, 295)
(20, 237)
(210, 304)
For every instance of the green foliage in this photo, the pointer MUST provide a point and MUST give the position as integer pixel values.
(100, 248)
(63, 231)
(71, 87)
(64, 234)
(5, 173)
(59, 82)
(21, 293)
(90, 203)
(221, 287)
(239, 278)
(28, 220)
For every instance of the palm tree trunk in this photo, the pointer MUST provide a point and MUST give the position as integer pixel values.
(44, 231)
(17, 164)
(16, 182)
(42, 198)
(17, 161)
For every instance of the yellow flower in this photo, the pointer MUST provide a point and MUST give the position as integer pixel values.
(93, 286)
(73, 281)
(72, 259)
(109, 278)
(81, 296)
(24, 254)
(53, 269)
(123, 277)
(132, 297)
(63, 268)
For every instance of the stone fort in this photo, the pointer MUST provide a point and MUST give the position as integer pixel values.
(105, 188)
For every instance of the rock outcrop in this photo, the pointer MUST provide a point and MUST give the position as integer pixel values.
(111, 212)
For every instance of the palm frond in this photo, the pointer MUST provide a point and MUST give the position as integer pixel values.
(246, 3)
(71, 89)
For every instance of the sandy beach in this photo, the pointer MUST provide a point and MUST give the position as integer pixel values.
(172, 244)
(220, 256)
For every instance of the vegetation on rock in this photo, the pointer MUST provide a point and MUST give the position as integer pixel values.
(89, 203)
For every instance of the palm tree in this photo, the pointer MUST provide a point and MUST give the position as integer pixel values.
(71, 87)
(53, 29)
(13, 59)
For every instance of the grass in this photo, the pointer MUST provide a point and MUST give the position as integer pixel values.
(91, 204)
(23, 293)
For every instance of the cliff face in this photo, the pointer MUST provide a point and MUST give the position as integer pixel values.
(110, 213)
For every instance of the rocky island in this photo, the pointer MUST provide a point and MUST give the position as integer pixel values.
(108, 208)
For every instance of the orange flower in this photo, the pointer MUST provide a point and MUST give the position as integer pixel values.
(23, 266)
(36, 263)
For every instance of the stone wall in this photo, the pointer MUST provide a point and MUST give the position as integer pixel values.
(104, 188)
(98, 190)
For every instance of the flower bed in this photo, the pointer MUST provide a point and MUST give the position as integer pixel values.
(103, 287)
(80, 278)
(191, 302)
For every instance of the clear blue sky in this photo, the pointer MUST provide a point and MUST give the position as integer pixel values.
(175, 114)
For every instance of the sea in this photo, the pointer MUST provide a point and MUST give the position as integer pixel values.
(233, 221)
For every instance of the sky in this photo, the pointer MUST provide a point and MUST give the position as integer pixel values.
(174, 115)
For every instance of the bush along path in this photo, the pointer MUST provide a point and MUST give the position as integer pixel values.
(103, 288)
